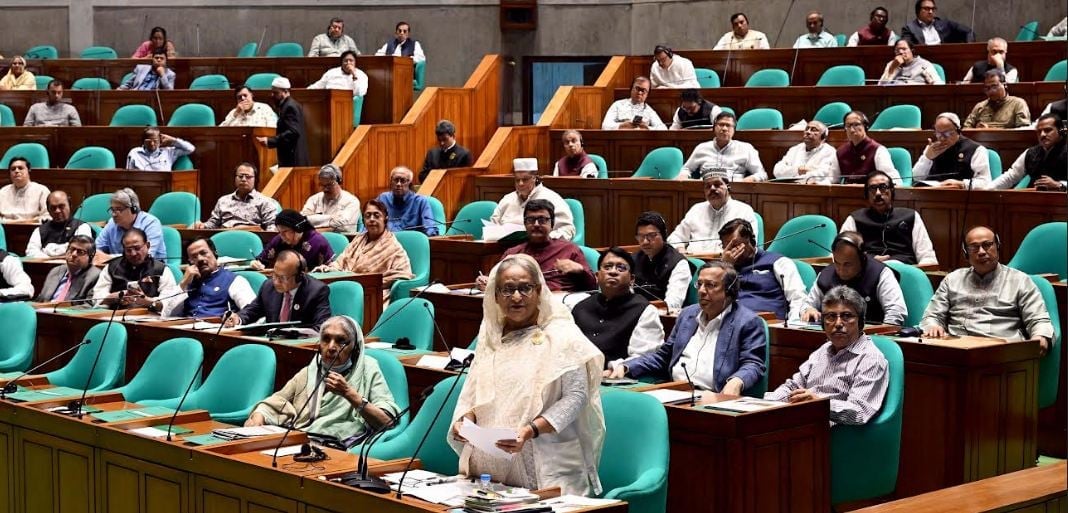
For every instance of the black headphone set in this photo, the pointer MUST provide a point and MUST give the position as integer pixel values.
(964, 247)
(310, 454)
(131, 198)
(863, 118)
(664, 48)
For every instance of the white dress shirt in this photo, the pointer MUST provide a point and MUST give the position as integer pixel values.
(792, 286)
(980, 168)
(702, 224)
(417, 53)
(623, 110)
(510, 211)
(679, 75)
(737, 157)
(753, 40)
(334, 78)
(889, 291)
(930, 35)
(676, 123)
(922, 247)
(14, 275)
(1016, 172)
(699, 355)
(52, 250)
(817, 162)
(340, 215)
(678, 286)
(822, 40)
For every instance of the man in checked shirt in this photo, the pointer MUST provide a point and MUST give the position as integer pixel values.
(848, 369)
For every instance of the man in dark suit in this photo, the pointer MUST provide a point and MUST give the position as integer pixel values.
(928, 29)
(74, 280)
(289, 138)
(290, 295)
(718, 330)
(447, 154)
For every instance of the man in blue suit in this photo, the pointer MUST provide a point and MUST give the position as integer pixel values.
(718, 341)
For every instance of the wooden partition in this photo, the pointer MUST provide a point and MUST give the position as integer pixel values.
(82, 183)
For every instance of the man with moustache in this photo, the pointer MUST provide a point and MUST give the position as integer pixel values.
(75, 279)
(50, 239)
(1046, 162)
(699, 230)
(957, 161)
(809, 161)
(889, 232)
(290, 138)
(739, 159)
(147, 282)
(209, 289)
(694, 111)
(660, 271)
(512, 207)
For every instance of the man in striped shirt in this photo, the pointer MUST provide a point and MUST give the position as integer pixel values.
(848, 369)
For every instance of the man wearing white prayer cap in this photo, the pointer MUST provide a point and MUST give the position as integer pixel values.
(698, 232)
(527, 187)
(290, 140)
(952, 159)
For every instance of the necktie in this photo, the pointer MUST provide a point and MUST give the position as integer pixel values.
(287, 305)
(61, 295)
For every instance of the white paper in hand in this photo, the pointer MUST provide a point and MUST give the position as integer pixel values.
(485, 439)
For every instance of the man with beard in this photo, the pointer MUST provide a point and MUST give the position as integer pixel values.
(144, 279)
(809, 161)
(890, 233)
(874, 281)
(209, 289)
(290, 138)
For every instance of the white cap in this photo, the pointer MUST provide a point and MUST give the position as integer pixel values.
(281, 83)
(525, 164)
(952, 117)
(716, 173)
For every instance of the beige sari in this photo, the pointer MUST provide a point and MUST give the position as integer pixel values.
(383, 255)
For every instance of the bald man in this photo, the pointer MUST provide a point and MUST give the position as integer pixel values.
(51, 238)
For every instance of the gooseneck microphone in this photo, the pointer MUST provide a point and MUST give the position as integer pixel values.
(11, 386)
(362, 480)
(693, 388)
(189, 387)
(75, 407)
(798, 232)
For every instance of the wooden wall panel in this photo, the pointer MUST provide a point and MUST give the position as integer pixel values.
(214, 496)
(136, 486)
(59, 474)
(7, 478)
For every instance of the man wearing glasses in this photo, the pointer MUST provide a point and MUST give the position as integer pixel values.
(333, 207)
(660, 271)
(403, 45)
(848, 369)
(126, 214)
(407, 210)
(928, 29)
(75, 279)
(999, 109)
(50, 239)
(158, 152)
(633, 113)
(290, 295)
(245, 207)
(987, 299)
(954, 161)
(889, 232)
(147, 282)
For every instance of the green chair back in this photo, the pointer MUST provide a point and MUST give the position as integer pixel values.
(357, 110)
(902, 163)
(42, 81)
(760, 119)
(41, 52)
(707, 78)
(469, 219)
(36, 153)
(940, 71)
(916, 287)
(3, 238)
(419, 80)
(346, 298)
(415, 322)
(166, 372)
(634, 460)
(210, 82)
(578, 214)
(256, 280)
(769, 78)
(20, 335)
(602, 166)
(761, 386)
(173, 241)
(287, 49)
(1058, 72)
(1043, 250)
(242, 377)
(832, 113)
(134, 115)
(841, 39)
(261, 80)
(91, 84)
(126, 78)
(7, 116)
(237, 244)
(438, 211)
(109, 370)
(99, 52)
(94, 209)
(897, 116)
(661, 164)
(865, 459)
(807, 272)
(338, 242)
(417, 246)
(397, 381)
(436, 455)
(844, 75)
(759, 228)
(995, 163)
(1049, 367)
(1024, 182)
(248, 50)
(691, 291)
(91, 157)
(800, 247)
(725, 108)
(183, 163)
(176, 208)
(192, 114)
(1028, 32)
(593, 257)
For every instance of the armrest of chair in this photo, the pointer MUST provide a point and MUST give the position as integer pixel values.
(649, 482)
(236, 418)
(402, 288)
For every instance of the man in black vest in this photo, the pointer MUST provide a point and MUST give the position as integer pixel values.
(873, 280)
(619, 322)
(889, 232)
(996, 51)
(147, 281)
(403, 45)
(694, 111)
(952, 159)
(50, 239)
(661, 273)
(1045, 164)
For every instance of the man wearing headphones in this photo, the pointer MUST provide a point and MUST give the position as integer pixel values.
(768, 282)
(999, 109)
(158, 152)
(1046, 163)
(694, 111)
(987, 299)
(810, 160)
(210, 290)
(671, 71)
(723, 153)
(849, 369)
(511, 208)
(73, 280)
(860, 154)
(126, 214)
(874, 281)
(290, 295)
(698, 232)
(889, 232)
(333, 207)
(955, 161)
(660, 271)
(147, 282)
(245, 207)
(726, 336)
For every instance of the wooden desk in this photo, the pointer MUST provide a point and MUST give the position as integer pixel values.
(970, 409)
(458, 259)
(458, 316)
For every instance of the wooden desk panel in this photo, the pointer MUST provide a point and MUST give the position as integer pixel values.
(458, 317)
(455, 260)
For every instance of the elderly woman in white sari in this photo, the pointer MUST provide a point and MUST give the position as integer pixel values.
(353, 396)
(535, 372)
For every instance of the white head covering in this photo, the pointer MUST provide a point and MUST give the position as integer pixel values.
(952, 117)
(281, 83)
(716, 173)
(525, 164)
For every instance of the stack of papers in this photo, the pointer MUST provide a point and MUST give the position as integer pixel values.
(247, 432)
(667, 396)
(568, 503)
(743, 405)
(512, 499)
(494, 232)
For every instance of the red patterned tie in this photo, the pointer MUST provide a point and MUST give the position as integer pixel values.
(287, 305)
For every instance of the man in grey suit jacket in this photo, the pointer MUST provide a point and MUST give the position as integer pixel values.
(79, 272)
(147, 77)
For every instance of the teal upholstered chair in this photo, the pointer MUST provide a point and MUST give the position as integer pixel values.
(397, 381)
(579, 215)
(844, 75)
(134, 115)
(357, 110)
(338, 242)
(256, 279)
(261, 80)
(916, 287)
(183, 163)
(419, 76)
(841, 39)
(691, 291)
(761, 119)
(897, 116)
(634, 460)
(41, 52)
(661, 163)
(602, 166)
(995, 163)
(832, 113)
(346, 298)
(415, 322)
(759, 228)
(769, 78)
(237, 244)
(865, 459)
(109, 370)
(166, 372)
(707, 77)
(902, 163)
(438, 211)
(593, 257)
(1024, 182)
(417, 246)
(285, 49)
(468, 220)
(42, 81)
(92, 157)
(3, 238)
(7, 117)
(1058, 72)
(1028, 32)
(940, 71)
(248, 50)
(173, 241)
(99, 52)
(94, 209)
(91, 84)
(210, 82)
(807, 272)
(436, 455)
(799, 246)
(181, 208)
(761, 386)
(1043, 250)
(19, 337)
(1049, 367)
(36, 153)
(192, 114)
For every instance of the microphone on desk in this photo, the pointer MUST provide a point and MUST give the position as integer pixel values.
(406, 345)
(75, 407)
(189, 387)
(437, 222)
(693, 388)
(798, 232)
(11, 386)
(361, 479)
(453, 362)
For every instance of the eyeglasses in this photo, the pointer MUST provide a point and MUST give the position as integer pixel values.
(116, 210)
(944, 135)
(832, 317)
(133, 249)
(537, 219)
(707, 285)
(71, 250)
(879, 187)
(524, 290)
(619, 267)
(974, 247)
(648, 237)
(638, 89)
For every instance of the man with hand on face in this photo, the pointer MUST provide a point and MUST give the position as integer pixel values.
(148, 77)
(619, 322)
(958, 161)
(345, 77)
(671, 71)
(859, 155)
(699, 230)
(245, 207)
(873, 280)
(210, 290)
(249, 112)
(333, 207)
(725, 335)
(660, 271)
(996, 51)
(987, 299)
(768, 282)
(633, 113)
(23, 199)
(849, 369)
(75, 279)
(290, 138)
(447, 154)
(126, 214)
(809, 161)
(694, 111)
(158, 151)
(512, 207)
(875, 32)
(403, 45)
(816, 36)
(54, 111)
(724, 153)
(290, 295)
(1046, 162)
(147, 282)
(407, 210)
(889, 232)
(50, 239)
(998, 110)
(907, 68)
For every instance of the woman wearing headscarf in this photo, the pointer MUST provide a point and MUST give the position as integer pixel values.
(352, 398)
(157, 41)
(17, 78)
(376, 250)
(535, 372)
(297, 234)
